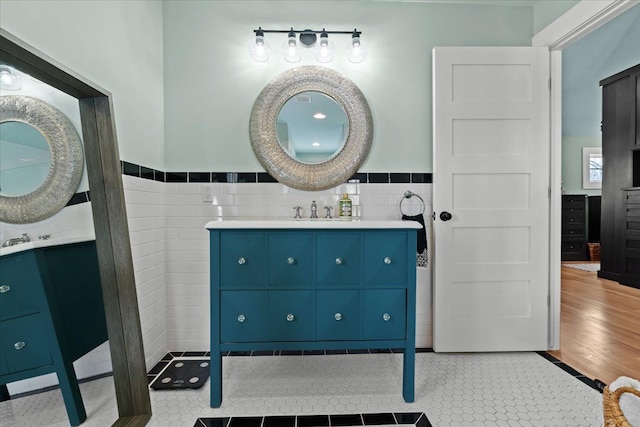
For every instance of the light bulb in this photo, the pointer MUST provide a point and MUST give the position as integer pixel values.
(259, 49)
(9, 78)
(291, 51)
(356, 51)
(325, 48)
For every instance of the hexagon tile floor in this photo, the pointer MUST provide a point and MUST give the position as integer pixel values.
(485, 389)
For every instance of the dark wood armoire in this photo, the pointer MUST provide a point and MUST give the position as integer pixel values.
(620, 211)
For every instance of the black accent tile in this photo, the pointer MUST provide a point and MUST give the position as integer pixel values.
(379, 350)
(158, 367)
(399, 178)
(247, 177)
(207, 354)
(378, 419)
(131, 169)
(423, 178)
(77, 199)
(424, 350)
(397, 350)
(379, 178)
(263, 353)
(407, 417)
(358, 351)
(568, 369)
(147, 173)
(219, 177)
(194, 354)
(176, 353)
(199, 176)
(313, 420)
(547, 356)
(335, 352)
(265, 177)
(245, 422)
(168, 357)
(176, 176)
(591, 383)
(150, 379)
(239, 353)
(362, 177)
(212, 422)
(346, 420)
(160, 176)
(88, 196)
(283, 421)
(423, 421)
(313, 352)
(291, 353)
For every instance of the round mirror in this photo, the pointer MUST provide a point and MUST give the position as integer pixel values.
(271, 140)
(30, 120)
(25, 159)
(312, 127)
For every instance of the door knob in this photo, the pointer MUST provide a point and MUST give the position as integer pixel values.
(445, 216)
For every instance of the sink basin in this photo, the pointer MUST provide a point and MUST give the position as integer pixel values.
(54, 241)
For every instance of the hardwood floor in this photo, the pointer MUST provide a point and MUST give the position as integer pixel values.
(599, 326)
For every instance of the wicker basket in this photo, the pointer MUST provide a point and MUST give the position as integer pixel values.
(594, 251)
(613, 416)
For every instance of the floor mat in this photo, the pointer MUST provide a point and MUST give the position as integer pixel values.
(587, 267)
(180, 374)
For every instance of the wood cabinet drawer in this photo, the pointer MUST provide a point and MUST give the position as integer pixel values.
(243, 259)
(290, 259)
(20, 286)
(577, 247)
(243, 316)
(385, 261)
(338, 258)
(23, 344)
(384, 314)
(291, 315)
(339, 315)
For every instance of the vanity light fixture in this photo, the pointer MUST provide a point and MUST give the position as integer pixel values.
(293, 46)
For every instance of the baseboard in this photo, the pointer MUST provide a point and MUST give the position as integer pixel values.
(608, 275)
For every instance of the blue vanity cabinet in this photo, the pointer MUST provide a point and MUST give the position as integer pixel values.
(51, 314)
(295, 288)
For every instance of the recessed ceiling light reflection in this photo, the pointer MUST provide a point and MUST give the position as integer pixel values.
(315, 144)
(319, 116)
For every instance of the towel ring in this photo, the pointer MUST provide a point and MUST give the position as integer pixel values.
(409, 194)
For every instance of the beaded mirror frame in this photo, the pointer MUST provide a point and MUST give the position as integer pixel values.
(67, 160)
(310, 176)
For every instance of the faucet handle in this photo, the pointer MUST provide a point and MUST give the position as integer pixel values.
(297, 209)
(328, 209)
(25, 237)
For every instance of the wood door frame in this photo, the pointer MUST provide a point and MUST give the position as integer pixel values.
(110, 222)
(577, 22)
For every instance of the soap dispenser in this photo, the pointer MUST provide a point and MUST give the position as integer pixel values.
(345, 206)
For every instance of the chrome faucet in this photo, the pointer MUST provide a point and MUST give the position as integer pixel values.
(314, 210)
(297, 209)
(328, 209)
(16, 240)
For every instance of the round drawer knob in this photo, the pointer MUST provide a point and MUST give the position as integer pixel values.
(4, 289)
(387, 260)
(290, 317)
(338, 261)
(386, 317)
(241, 260)
(291, 260)
(241, 318)
(19, 345)
(338, 316)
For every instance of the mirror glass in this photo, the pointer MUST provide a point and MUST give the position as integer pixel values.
(312, 127)
(25, 159)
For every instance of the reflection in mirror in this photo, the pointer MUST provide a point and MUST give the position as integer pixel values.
(312, 127)
(25, 159)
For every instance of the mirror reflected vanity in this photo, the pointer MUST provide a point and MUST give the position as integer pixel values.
(311, 128)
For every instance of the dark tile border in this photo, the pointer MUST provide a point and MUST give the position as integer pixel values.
(144, 172)
(593, 383)
(418, 419)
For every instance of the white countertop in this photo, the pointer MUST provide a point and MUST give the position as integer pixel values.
(306, 223)
(54, 241)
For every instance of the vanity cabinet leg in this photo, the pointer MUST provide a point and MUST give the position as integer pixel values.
(71, 394)
(216, 378)
(408, 374)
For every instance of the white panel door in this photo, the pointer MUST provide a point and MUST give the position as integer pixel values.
(491, 174)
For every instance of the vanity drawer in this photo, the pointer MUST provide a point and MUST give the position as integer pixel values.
(290, 259)
(20, 286)
(291, 315)
(243, 316)
(338, 258)
(339, 315)
(384, 314)
(385, 261)
(23, 344)
(243, 259)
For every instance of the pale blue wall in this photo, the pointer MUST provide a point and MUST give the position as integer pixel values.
(608, 50)
(211, 82)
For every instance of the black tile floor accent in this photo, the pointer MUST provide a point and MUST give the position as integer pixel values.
(593, 383)
(418, 419)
